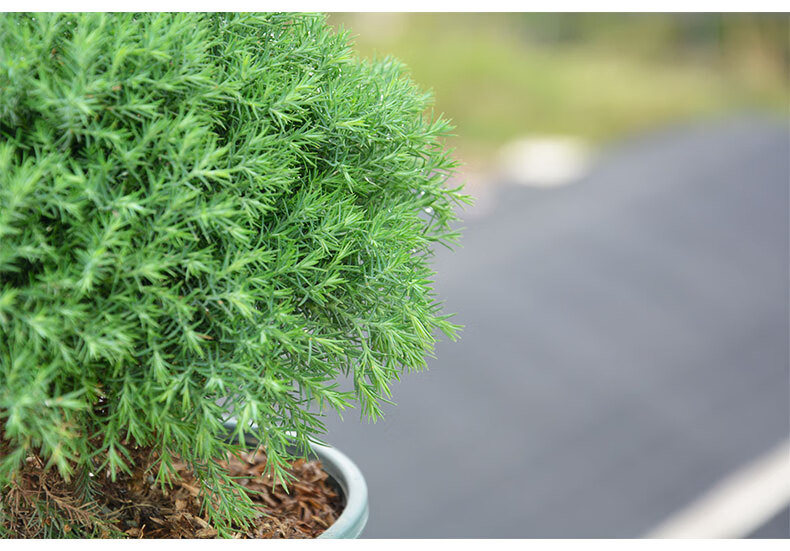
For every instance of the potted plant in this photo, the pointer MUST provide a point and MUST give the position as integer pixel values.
(208, 224)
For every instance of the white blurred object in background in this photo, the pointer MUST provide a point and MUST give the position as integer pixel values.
(544, 161)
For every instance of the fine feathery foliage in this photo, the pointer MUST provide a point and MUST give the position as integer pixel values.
(202, 216)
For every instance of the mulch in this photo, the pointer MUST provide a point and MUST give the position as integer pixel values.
(138, 507)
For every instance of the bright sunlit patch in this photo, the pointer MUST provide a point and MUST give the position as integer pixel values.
(739, 504)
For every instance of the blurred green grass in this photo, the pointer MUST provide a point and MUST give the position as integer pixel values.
(597, 76)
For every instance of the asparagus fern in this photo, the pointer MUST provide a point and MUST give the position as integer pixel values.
(203, 215)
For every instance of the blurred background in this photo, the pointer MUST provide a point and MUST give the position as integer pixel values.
(623, 281)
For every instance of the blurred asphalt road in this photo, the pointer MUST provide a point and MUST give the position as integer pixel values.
(625, 348)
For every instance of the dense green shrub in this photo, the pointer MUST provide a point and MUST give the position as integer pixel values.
(196, 208)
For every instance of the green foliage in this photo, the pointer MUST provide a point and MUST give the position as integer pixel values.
(203, 215)
(599, 76)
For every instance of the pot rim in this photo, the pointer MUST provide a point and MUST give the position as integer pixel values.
(352, 520)
(344, 471)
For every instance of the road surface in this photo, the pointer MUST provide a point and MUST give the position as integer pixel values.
(625, 348)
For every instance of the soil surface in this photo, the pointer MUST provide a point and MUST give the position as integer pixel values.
(137, 507)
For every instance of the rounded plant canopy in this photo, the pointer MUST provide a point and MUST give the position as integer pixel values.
(204, 216)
